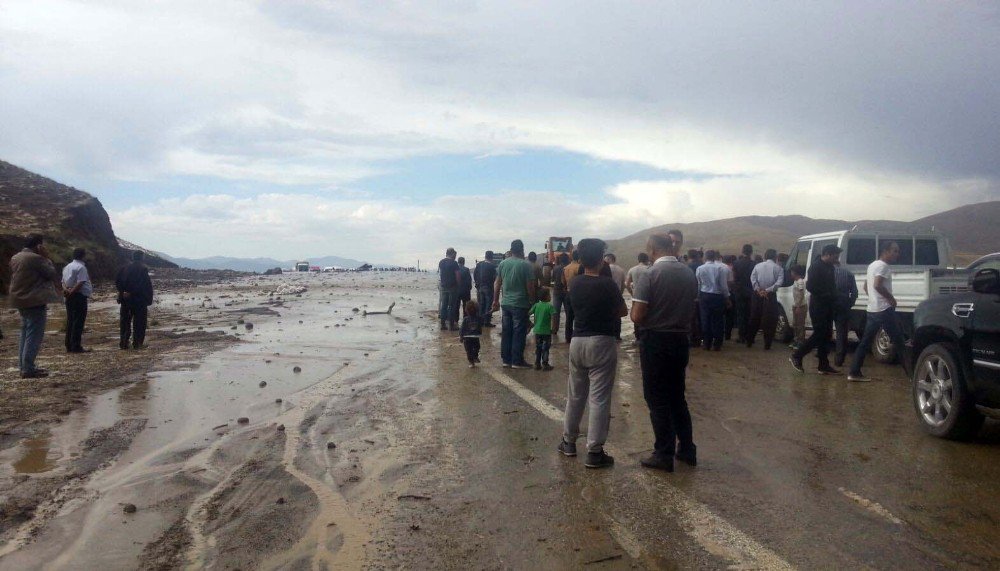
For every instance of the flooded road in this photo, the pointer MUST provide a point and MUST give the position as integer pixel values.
(331, 439)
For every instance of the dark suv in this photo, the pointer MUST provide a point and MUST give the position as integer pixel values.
(955, 358)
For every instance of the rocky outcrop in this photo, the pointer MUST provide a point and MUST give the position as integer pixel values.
(67, 217)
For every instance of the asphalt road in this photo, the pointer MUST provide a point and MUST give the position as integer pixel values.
(795, 470)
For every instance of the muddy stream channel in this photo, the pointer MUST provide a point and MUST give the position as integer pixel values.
(275, 452)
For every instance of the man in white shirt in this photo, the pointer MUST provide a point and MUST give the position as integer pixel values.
(765, 279)
(713, 299)
(77, 289)
(881, 308)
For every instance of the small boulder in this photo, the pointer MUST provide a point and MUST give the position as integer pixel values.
(262, 384)
(243, 420)
(330, 445)
(129, 508)
(296, 369)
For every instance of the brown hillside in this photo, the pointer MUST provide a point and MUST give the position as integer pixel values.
(67, 217)
(972, 230)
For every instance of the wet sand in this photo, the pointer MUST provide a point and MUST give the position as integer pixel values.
(386, 450)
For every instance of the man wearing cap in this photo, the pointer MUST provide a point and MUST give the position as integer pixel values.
(821, 282)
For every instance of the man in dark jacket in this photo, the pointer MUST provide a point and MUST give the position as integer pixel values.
(743, 294)
(821, 283)
(33, 285)
(464, 286)
(135, 294)
(485, 274)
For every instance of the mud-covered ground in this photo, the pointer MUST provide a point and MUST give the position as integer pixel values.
(280, 429)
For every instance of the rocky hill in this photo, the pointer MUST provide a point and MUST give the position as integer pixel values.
(972, 230)
(67, 217)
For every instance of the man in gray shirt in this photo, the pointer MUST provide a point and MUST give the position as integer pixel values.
(662, 309)
(766, 278)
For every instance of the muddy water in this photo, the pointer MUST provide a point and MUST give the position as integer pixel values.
(185, 456)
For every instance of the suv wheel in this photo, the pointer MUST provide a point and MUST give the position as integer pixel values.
(783, 332)
(883, 348)
(941, 397)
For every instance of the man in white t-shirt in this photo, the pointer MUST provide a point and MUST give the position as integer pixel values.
(881, 308)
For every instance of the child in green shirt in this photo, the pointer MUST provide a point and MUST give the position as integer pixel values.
(542, 313)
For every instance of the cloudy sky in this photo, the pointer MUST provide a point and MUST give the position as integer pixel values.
(388, 131)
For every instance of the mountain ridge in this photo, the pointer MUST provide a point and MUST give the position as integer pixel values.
(971, 230)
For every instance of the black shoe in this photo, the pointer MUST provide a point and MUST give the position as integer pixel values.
(567, 448)
(797, 363)
(547, 367)
(828, 370)
(521, 365)
(81, 350)
(444, 326)
(599, 460)
(655, 462)
(838, 361)
(36, 374)
(538, 366)
(689, 458)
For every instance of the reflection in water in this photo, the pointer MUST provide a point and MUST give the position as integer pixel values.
(36, 456)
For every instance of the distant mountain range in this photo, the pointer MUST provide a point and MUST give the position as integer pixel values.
(973, 231)
(258, 265)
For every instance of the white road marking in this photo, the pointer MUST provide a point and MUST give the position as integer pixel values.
(874, 507)
(716, 535)
(540, 404)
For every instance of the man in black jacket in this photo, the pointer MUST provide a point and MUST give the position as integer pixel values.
(485, 274)
(135, 294)
(742, 268)
(822, 286)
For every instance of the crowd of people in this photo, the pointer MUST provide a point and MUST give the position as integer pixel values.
(678, 302)
(35, 284)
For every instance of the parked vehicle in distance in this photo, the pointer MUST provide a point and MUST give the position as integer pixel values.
(921, 272)
(954, 362)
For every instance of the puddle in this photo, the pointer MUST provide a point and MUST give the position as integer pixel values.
(35, 459)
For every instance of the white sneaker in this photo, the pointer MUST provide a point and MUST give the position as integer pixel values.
(859, 378)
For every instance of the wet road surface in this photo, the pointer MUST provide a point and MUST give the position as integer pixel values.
(386, 450)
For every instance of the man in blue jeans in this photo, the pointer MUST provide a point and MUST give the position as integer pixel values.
(33, 284)
(713, 299)
(881, 308)
(485, 275)
(516, 282)
(451, 277)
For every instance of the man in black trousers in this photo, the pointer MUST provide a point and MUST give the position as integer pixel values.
(742, 268)
(77, 289)
(662, 308)
(135, 294)
(822, 286)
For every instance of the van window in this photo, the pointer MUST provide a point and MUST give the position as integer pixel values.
(926, 253)
(905, 249)
(799, 255)
(818, 246)
(861, 251)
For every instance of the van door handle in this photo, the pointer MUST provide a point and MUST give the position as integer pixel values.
(962, 309)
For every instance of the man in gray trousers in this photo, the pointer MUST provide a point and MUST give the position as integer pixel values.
(593, 354)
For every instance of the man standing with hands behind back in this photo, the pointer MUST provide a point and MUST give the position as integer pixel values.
(662, 310)
(77, 289)
(135, 294)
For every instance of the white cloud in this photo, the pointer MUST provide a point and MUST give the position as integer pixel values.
(823, 109)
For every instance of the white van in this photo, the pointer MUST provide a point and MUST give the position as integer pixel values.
(921, 271)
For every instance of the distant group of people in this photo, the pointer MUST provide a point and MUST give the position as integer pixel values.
(35, 284)
(679, 302)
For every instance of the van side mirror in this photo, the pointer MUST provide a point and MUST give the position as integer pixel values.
(986, 281)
